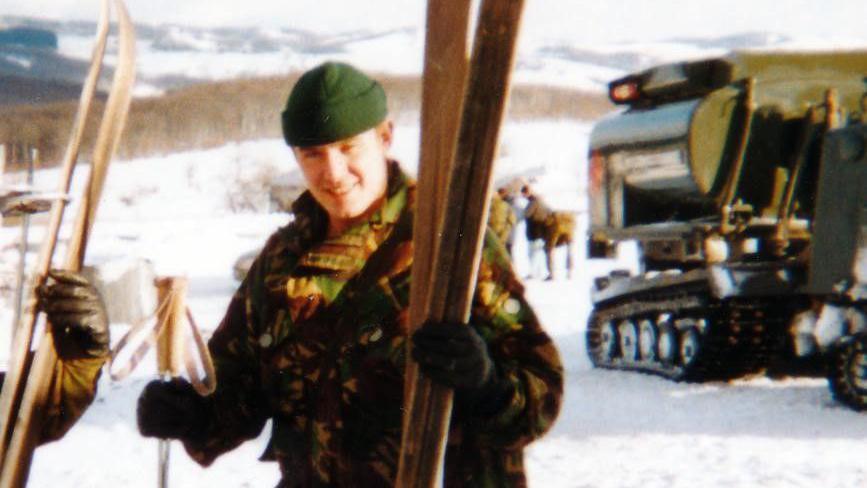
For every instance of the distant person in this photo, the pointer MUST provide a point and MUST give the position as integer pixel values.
(555, 228)
(79, 327)
(510, 197)
(502, 219)
(315, 339)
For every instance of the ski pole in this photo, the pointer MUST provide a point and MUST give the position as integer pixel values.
(163, 452)
(22, 249)
(175, 351)
(171, 291)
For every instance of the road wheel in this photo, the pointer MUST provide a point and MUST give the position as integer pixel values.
(689, 346)
(848, 373)
(647, 340)
(628, 340)
(668, 345)
(602, 342)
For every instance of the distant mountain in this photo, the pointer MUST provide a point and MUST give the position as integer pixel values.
(171, 56)
(32, 71)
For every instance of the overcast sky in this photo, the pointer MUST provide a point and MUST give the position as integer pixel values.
(583, 20)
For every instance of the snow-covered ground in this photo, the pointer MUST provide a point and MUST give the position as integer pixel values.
(615, 430)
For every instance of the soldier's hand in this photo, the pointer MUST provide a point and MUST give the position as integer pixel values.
(170, 410)
(76, 314)
(452, 354)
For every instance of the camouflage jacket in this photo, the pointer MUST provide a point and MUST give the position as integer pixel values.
(72, 390)
(502, 219)
(307, 343)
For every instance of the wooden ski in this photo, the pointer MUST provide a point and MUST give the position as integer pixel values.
(444, 79)
(21, 353)
(456, 253)
(27, 396)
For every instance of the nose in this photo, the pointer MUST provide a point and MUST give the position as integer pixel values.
(334, 165)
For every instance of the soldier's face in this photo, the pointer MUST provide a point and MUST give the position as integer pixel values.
(348, 177)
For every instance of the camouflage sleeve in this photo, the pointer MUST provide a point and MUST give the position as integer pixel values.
(237, 410)
(72, 390)
(523, 354)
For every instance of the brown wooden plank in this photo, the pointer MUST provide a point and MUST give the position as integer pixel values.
(460, 235)
(446, 58)
(443, 84)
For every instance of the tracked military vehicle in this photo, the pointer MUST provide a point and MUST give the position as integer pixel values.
(743, 181)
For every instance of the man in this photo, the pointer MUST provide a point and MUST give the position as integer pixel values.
(555, 228)
(79, 324)
(315, 337)
(502, 218)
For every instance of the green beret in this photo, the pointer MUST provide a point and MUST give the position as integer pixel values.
(331, 102)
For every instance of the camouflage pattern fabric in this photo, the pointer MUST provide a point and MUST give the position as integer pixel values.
(315, 339)
(558, 229)
(72, 386)
(502, 219)
(555, 227)
(72, 390)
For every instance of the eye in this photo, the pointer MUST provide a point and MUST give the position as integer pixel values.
(311, 154)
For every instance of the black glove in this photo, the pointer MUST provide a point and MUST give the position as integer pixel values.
(455, 355)
(76, 313)
(452, 354)
(171, 410)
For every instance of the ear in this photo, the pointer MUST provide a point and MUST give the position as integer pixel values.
(385, 131)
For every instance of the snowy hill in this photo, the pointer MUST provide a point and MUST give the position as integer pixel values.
(616, 430)
(575, 44)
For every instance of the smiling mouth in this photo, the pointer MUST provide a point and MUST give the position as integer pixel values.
(341, 190)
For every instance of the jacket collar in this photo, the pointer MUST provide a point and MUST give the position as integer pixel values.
(310, 216)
